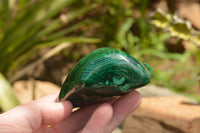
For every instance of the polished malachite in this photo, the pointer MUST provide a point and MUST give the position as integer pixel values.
(104, 74)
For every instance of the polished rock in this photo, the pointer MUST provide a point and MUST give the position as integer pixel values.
(104, 74)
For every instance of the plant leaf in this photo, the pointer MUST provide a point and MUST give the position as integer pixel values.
(8, 99)
(71, 39)
(180, 29)
(160, 19)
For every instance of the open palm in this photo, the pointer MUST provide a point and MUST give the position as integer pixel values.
(45, 115)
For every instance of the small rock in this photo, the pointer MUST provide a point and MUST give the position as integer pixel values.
(164, 115)
(152, 90)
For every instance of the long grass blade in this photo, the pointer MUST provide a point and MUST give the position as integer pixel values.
(4, 9)
(68, 30)
(8, 99)
(71, 39)
(46, 56)
(21, 46)
(58, 23)
(26, 27)
(30, 23)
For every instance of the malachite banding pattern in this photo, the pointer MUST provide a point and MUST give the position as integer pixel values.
(103, 74)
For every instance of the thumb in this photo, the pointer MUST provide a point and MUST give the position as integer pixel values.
(53, 113)
(50, 112)
(31, 116)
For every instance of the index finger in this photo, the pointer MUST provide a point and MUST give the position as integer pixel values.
(122, 108)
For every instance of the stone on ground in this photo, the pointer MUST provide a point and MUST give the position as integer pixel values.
(164, 115)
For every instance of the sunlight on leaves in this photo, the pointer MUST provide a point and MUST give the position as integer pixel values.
(176, 26)
(181, 30)
(160, 19)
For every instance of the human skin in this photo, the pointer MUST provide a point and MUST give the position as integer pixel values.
(46, 115)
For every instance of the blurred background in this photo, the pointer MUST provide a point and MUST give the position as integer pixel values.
(41, 41)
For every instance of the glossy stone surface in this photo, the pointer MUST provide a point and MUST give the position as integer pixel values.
(104, 74)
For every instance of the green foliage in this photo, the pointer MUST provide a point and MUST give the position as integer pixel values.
(33, 24)
(176, 26)
(179, 78)
(144, 41)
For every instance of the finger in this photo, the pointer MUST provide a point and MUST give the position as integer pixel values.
(99, 119)
(122, 108)
(78, 119)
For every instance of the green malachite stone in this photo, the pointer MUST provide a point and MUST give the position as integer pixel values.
(103, 74)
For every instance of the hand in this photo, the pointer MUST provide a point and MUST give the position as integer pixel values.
(45, 115)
